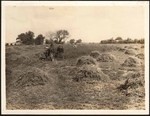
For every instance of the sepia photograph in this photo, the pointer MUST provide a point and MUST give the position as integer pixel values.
(75, 57)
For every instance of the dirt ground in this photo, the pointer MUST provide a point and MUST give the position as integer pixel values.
(60, 91)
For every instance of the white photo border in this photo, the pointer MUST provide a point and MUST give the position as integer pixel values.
(75, 3)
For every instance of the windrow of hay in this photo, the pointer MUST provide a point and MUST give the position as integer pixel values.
(94, 54)
(130, 52)
(32, 77)
(86, 60)
(132, 62)
(86, 72)
(140, 56)
(106, 57)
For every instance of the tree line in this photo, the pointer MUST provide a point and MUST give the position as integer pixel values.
(58, 37)
(29, 38)
(119, 40)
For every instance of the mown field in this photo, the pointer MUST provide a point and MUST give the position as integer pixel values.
(32, 83)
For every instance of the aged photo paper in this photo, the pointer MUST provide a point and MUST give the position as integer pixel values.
(75, 57)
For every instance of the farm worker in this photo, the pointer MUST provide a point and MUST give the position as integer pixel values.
(46, 53)
(51, 51)
(60, 51)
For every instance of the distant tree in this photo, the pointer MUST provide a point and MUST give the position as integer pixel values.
(47, 41)
(111, 40)
(79, 41)
(129, 40)
(104, 42)
(61, 36)
(11, 44)
(141, 41)
(119, 38)
(26, 38)
(135, 40)
(51, 35)
(72, 41)
(39, 39)
(7, 44)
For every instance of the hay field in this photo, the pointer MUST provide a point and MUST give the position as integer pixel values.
(113, 80)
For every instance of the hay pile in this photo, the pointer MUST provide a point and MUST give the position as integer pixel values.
(136, 48)
(86, 60)
(94, 54)
(129, 47)
(86, 69)
(31, 77)
(130, 52)
(121, 49)
(132, 74)
(88, 72)
(132, 62)
(133, 85)
(140, 56)
(106, 57)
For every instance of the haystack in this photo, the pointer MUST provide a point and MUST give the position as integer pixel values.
(132, 74)
(142, 46)
(121, 49)
(31, 77)
(140, 56)
(136, 48)
(132, 83)
(86, 60)
(94, 54)
(106, 57)
(132, 62)
(129, 47)
(87, 72)
(130, 52)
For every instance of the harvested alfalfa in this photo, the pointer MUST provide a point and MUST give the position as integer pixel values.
(31, 77)
(121, 49)
(140, 56)
(136, 48)
(142, 46)
(131, 74)
(130, 52)
(87, 72)
(129, 47)
(94, 54)
(86, 60)
(132, 62)
(106, 57)
(131, 83)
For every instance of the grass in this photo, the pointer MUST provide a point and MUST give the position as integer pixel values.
(62, 92)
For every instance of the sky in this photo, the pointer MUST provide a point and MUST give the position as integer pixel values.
(89, 23)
